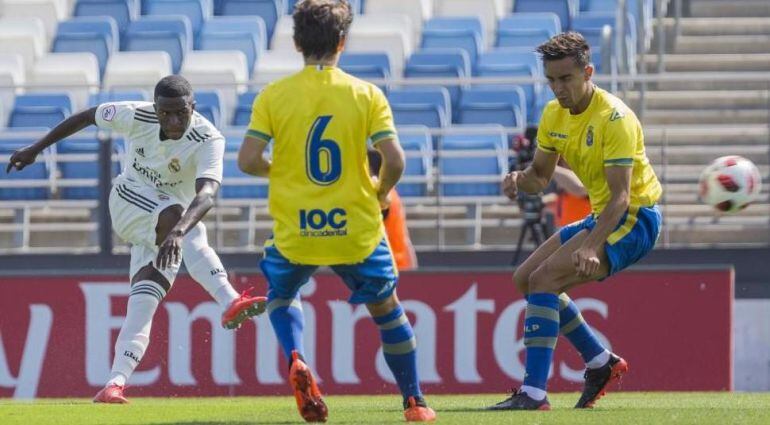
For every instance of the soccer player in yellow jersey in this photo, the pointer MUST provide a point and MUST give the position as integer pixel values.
(327, 208)
(601, 140)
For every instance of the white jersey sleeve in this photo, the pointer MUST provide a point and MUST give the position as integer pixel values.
(210, 158)
(117, 116)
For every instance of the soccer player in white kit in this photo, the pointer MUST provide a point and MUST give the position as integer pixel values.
(172, 175)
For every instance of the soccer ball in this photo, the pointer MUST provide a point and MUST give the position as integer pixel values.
(730, 183)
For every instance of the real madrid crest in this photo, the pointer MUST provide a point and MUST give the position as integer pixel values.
(174, 165)
(590, 136)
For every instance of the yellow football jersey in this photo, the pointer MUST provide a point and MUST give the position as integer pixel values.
(321, 196)
(607, 133)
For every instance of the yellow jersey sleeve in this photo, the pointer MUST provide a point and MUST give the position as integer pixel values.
(544, 140)
(260, 125)
(621, 138)
(380, 118)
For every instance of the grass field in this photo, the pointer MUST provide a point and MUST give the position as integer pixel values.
(616, 408)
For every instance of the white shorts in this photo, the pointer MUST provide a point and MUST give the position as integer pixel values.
(134, 209)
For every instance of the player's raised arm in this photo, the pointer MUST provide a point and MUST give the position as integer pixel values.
(74, 123)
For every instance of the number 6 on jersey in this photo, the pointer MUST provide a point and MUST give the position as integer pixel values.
(322, 156)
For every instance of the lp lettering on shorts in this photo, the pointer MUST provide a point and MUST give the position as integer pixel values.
(317, 222)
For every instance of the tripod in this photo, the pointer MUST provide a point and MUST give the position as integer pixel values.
(534, 223)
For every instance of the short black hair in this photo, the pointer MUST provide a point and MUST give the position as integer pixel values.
(319, 25)
(567, 44)
(173, 86)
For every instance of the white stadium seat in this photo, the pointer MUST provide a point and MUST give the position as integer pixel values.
(49, 11)
(418, 11)
(24, 36)
(386, 23)
(283, 34)
(390, 41)
(276, 64)
(489, 11)
(12, 75)
(132, 70)
(225, 71)
(77, 73)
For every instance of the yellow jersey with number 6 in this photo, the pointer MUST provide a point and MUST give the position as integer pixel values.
(321, 196)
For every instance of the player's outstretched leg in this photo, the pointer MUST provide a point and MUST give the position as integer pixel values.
(597, 380)
(133, 338)
(399, 348)
(310, 402)
(541, 329)
(206, 268)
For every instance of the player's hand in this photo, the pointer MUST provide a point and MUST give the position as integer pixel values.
(21, 158)
(586, 261)
(510, 187)
(170, 252)
(384, 199)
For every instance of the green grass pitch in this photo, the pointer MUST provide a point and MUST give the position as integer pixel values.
(616, 408)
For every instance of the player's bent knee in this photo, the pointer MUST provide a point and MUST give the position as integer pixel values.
(521, 280)
(541, 280)
(149, 272)
(383, 307)
(167, 219)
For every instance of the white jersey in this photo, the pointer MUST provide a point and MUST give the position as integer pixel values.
(171, 166)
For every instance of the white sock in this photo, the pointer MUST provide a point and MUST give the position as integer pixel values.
(205, 267)
(600, 360)
(533, 392)
(134, 335)
(117, 378)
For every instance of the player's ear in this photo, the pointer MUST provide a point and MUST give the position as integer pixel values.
(588, 71)
(341, 45)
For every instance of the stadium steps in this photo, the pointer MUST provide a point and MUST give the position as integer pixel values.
(702, 99)
(698, 135)
(730, 8)
(706, 116)
(704, 44)
(712, 62)
(735, 26)
(704, 154)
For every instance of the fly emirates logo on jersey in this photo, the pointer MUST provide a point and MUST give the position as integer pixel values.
(154, 177)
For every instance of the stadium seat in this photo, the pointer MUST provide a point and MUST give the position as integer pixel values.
(171, 34)
(106, 96)
(40, 110)
(37, 171)
(463, 23)
(98, 35)
(122, 11)
(532, 91)
(276, 64)
(466, 39)
(225, 70)
(269, 10)
(473, 164)
(237, 184)
(246, 43)
(590, 24)
(209, 104)
(12, 75)
(527, 29)
(23, 36)
(283, 35)
(517, 61)
(427, 114)
(50, 12)
(416, 142)
(392, 42)
(421, 95)
(79, 71)
(387, 23)
(436, 62)
(242, 114)
(87, 171)
(417, 11)
(197, 11)
(564, 9)
(129, 70)
(488, 11)
(244, 33)
(501, 105)
(357, 63)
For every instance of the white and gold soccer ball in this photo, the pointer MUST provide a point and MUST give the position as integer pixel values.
(730, 183)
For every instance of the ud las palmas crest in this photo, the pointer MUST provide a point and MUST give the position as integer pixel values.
(590, 136)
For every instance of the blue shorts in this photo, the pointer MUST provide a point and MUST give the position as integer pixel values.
(370, 281)
(631, 240)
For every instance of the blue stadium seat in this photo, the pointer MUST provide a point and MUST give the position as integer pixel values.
(517, 61)
(501, 105)
(446, 62)
(467, 40)
(93, 43)
(565, 9)
(251, 25)
(123, 11)
(117, 96)
(590, 24)
(209, 104)
(454, 23)
(378, 63)
(197, 11)
(248, 43)
(416, 142)
(36, 171)
(85, 169)
(471, 165)
(171, 34)
(102, 25)
(428, 106)
(40, 110)
(249, 188)
(527, 29)
(242, 114)
(269, 10)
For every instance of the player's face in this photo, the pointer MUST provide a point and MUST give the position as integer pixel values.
(174, 114)
(568, 81)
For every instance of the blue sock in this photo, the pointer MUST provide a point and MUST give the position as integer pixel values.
(288, 321)
(574, 327)
(541, 329)
(399, 347)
